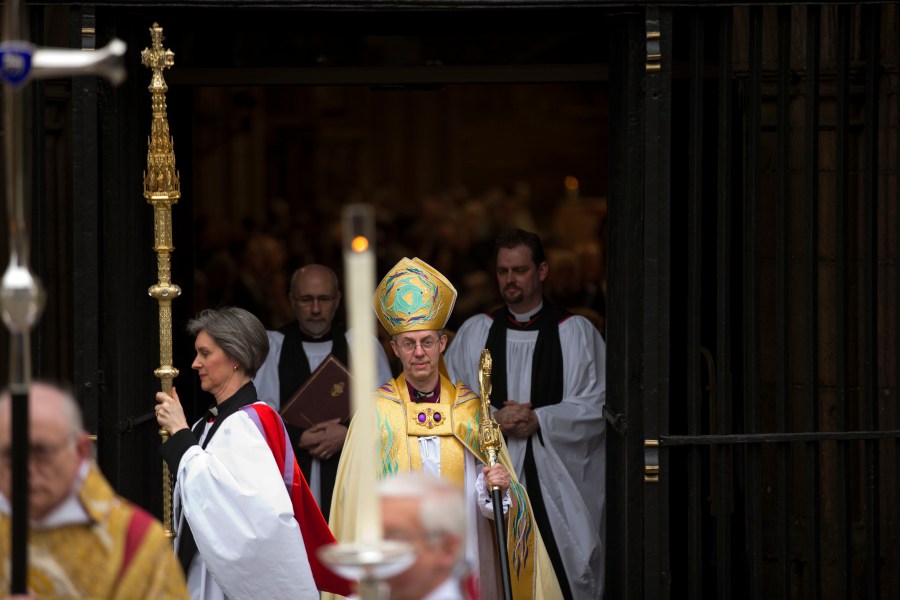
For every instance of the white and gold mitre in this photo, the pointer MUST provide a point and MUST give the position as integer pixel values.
(414, 296)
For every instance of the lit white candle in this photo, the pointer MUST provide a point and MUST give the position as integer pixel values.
(359, 276)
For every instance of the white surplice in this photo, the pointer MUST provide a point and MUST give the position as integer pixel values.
(234, 497)
(571, 461)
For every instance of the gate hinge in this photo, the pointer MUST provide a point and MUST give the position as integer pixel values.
(654, 51)
(651, 461)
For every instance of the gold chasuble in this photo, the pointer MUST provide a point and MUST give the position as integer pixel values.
(122, 553)
(455, 420)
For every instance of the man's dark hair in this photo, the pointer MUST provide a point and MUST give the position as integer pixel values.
(520, 237)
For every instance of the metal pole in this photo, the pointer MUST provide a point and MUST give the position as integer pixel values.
(21, 293)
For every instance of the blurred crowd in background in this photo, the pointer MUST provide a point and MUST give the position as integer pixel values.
(249, 263)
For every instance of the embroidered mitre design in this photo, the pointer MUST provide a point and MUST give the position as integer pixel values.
(414, 296)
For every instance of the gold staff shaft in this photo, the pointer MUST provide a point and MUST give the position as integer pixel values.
(162, 189)
(489, 438)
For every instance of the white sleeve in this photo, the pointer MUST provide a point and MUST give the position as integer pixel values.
(573, 455)
(267, 382)
(573, 432)
(235, 500)
(576, 424)
(486, 499)
(464, 352)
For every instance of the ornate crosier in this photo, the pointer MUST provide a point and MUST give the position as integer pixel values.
(489, 440)
(162, 189)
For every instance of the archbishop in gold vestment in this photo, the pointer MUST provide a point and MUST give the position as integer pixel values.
(111, 550)
(461, 460)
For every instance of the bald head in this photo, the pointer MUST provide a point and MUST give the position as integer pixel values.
(58, 445)
(429, 513)
(315, 298)
(46, 401)
(314, 271)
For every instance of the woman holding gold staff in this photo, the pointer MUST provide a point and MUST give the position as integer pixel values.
(426, 423)
(247, 525)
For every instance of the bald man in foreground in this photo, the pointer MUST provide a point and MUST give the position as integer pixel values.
(84, 541)
(429, 513)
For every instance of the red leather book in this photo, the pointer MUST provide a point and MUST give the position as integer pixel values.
(324, 396)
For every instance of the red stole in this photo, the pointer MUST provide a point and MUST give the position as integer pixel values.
(313, 527)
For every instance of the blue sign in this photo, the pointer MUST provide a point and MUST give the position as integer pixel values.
(15, 62)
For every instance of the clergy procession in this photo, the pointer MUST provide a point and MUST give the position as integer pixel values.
(334, 459)
(250, 522)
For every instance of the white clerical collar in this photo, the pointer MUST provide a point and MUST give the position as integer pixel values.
(525, 317)
(69, 512)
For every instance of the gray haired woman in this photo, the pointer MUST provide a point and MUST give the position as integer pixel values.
(237, 535)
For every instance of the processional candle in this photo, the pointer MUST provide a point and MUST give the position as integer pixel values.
(359, 275)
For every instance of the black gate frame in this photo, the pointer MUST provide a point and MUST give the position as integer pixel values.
(722, 467)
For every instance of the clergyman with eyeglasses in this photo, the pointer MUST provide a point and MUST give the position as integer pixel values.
(425, 422)
(295, 351)
(84, 541)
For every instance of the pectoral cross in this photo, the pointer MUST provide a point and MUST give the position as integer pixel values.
(21, 293)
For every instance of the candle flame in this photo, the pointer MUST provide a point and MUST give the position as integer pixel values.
(359, 244)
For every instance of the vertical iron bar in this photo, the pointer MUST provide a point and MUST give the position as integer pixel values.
(811, 185)
(782, 297)
(842, 164)
(652, 250)
(86, 241)
(753, 488)
(656, 221)
(657, 273)
(693, 342)
(625, 328)
(896, 348)
(871, 25)
(723, 307)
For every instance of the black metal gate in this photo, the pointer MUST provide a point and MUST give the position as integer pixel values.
(753, 322)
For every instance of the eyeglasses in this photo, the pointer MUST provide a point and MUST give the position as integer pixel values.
(310, 300)
(397, 535)
(37, 453)
(428, 344)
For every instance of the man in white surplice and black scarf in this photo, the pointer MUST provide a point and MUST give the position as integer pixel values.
(296, 350)
(548, 391)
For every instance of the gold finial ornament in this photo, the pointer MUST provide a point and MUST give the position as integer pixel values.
(162, 189)
(160, 179)
(488, 429)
